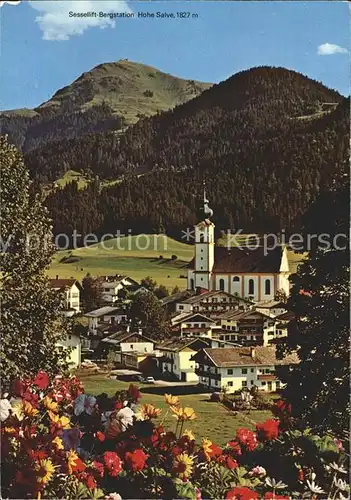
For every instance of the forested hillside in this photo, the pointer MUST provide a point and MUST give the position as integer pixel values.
(267, 141)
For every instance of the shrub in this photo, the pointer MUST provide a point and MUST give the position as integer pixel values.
(174, 257)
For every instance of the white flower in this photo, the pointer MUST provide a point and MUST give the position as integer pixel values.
(113, 496)
(338, 468)
(341, 484)
(272, 483)
(314, 487)
(258, 471)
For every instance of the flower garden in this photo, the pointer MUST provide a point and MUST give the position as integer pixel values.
(58, 442)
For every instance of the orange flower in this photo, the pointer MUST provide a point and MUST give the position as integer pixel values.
(50, 404)
(171, 400)
(147, 411)
(184, 413)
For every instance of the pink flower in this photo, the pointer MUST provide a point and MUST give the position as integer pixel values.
(258, 471)
(41, 380)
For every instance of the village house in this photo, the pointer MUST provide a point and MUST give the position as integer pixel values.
(213, 302)
(171, 301)
(112, 285)
(71, 289)
(132, 350)
(252, 273)
(193, 325)
(232, 369)
(272, 308)
(282, 326)
(72, 341)
(175, 360)
(105, 317)
(247, 327)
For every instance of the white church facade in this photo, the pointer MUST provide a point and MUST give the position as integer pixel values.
(247, 272)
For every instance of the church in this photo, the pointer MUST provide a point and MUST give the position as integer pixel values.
(243, 271)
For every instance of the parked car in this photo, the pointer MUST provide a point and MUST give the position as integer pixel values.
(149, 380)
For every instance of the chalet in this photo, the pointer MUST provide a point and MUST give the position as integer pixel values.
(247, 327)
(175, 359)
(170, 302)
(213, 302)
(272, 308)
(71, 289)
(112, 285)
(105, 317)
(239, 367)
(132, 349)
(194, 325)
(253, 273)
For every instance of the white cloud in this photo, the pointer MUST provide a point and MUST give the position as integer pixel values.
(10, 2)
(56, 24)
(328, 49)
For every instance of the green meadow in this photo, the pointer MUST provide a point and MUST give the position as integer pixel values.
(135, 256)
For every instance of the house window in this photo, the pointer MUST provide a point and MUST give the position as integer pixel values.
(252, 382)
(201, 250)
(191, 284)
(267, 287)
(252, 370)
(277, 384)
(202, 237)
(230, 384)
(263, 383)
(230, 371)
(236, 278)
(216, 382)
(251, 287)
(244, 371)
(221, 284)
(244, 383)
(131, 346)
(181, 308)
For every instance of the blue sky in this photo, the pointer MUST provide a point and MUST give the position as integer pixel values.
(43, 49)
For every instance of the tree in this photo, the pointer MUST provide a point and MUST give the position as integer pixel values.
(175, 290)
(161, 292)
(92, 291)
(318, 387)
(147, 312)
(31, 321)
(148, 283)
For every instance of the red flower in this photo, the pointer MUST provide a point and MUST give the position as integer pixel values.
(31, 397)
(280, 407)
(228, 461)
(241, 494)
(38, 454)
(136, 460)
(99, 467)
(90, 481)
(176, 450)
(41, 380)
(301, 475)
(272, 496)
(118, 405)
(133, 392)
(247, 438)
(100, 436)
(269, 430)
(235, 447)
(17, 388)
(113, 463)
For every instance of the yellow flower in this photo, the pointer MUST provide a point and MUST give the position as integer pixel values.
(23, 409)
(50, 404)
(61, 422)
(189, 434)
(171, 400)
(206, 446)
(147, 411)
(46, 469)
(183, 465)
(184, 413)
(72, 458)
(58, 443)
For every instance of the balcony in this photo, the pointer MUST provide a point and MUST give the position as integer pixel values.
(201, 371)
(267, 377)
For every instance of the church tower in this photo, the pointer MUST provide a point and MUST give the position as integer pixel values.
(204, 247)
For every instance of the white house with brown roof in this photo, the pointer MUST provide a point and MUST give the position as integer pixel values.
(111, 286)
(131, 349)
(213, 302)
(71, 289)
(253, 273)
(247, 327)
(232, 369)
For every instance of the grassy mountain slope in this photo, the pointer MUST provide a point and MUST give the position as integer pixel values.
(111, 96)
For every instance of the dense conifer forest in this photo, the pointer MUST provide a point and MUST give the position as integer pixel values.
(267, 141)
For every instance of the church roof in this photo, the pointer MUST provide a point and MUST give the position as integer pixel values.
(243, 260)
